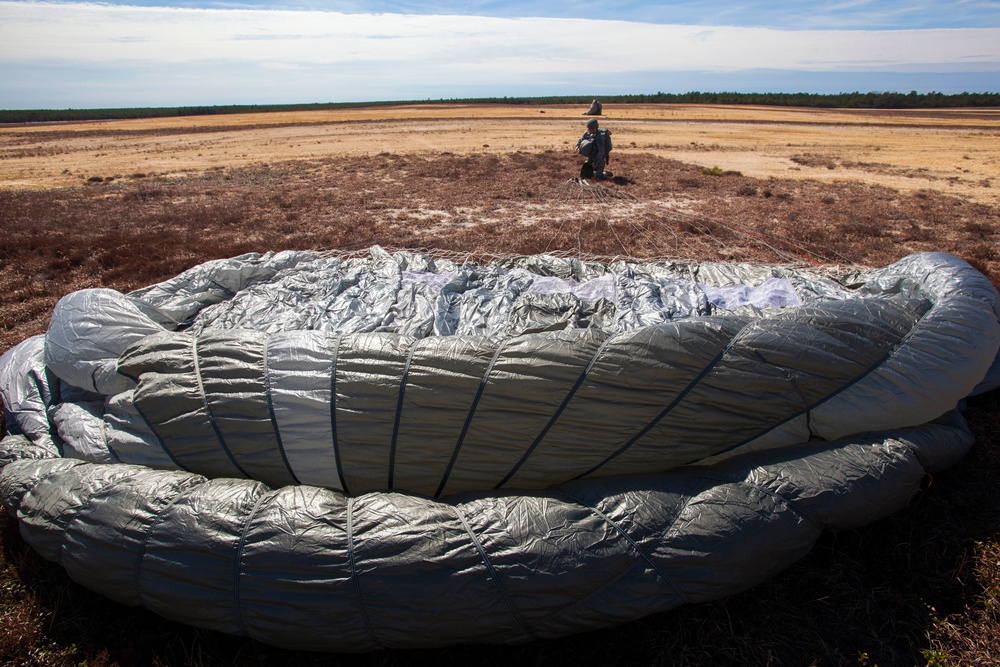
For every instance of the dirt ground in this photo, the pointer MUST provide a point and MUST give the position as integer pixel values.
(955, 151)
(123, 205)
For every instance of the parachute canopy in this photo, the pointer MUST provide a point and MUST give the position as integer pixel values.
(402, 450)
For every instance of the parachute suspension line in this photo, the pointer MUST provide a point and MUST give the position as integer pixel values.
(333, 416)
(652, 229)
(352, 558)
(159, 440)
(148, 535)
(604, 198)
(111, 450)
(208, 408)
(764, 238)
(847, 385)
(468, 419)
(558, 413)
(270, 409)
(399, 411)
(494, 574)
(677, 399)
(628, 538)
(790, 504)
(553, 237)
(237, 562)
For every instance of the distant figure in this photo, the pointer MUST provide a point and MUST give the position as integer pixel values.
(594, 110)
(595, 145)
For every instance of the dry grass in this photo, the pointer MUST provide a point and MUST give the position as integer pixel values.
(922, 587)
(952, 149)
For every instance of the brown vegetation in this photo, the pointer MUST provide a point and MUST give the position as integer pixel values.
(922, 587)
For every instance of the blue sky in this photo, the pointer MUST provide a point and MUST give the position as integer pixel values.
(198, 52)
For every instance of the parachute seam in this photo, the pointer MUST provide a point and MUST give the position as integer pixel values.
(558, 413)
(468, 419)
(237, 565)
(105, 483)
(635, 545)
(104, 436)
(163, 444)
(494, 574)
(788, 502)
(354, 574)
(683, 508)
(208, 408)
(609, 584)
(399, 412)
(141, 555)
(806, 410)
(677, 399)
(55, 389)
(93, 378)
(270, 409)
(333, 415)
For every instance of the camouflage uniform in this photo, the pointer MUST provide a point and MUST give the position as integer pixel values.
(599, 153)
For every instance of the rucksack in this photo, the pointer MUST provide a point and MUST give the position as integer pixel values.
(587, 145)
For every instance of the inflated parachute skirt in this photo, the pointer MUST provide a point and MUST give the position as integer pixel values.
(345, 454)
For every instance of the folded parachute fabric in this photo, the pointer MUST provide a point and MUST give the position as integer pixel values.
(345, 453)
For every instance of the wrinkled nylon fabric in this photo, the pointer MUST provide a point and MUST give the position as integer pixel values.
(411, 373)
(309, 568)
(338, 453)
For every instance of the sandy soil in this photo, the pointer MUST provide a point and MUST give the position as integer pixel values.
(953, 151)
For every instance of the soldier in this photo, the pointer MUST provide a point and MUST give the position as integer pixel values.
(595, 144)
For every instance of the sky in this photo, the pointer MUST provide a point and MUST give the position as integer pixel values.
(149, 53)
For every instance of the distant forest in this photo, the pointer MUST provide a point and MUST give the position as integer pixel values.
(856, 100)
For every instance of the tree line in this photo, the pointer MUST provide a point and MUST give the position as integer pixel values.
(855, 100)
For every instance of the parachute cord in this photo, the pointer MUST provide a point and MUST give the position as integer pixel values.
(399, 411)
(802, 252)
(677, 399)
(635, 545)
(578, 191)
(468, 419)
(494, 574)
(141, 551)
(807, 410)
(270, 410)
(237, 569)
(787, 502)
(354, 574)
(104, 439)
(558, 413)
(333, 416)
(208, 408)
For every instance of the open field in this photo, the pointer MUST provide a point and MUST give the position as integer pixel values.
(126, 204)
(957, 151)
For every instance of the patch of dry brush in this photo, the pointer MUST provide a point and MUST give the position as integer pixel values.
(134, 231)
(921, 585)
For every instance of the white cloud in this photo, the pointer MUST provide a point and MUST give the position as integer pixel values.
(101, 33)
(383, 51)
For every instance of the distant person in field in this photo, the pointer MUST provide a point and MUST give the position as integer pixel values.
(595, 145)
(594, 110)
